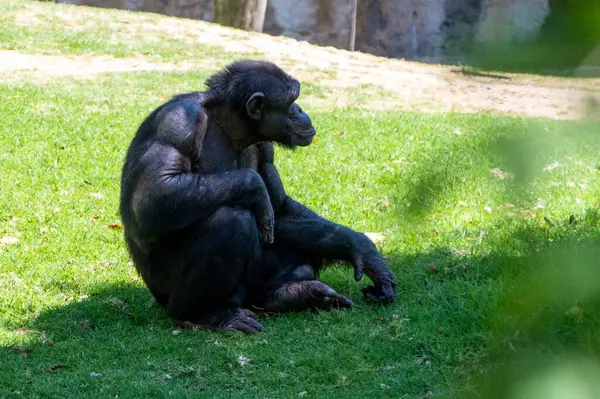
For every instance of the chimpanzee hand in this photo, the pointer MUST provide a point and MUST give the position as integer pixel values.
(262, 208)
(367, 258)
(265, 219)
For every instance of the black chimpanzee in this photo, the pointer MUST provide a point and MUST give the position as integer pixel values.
(207, 221)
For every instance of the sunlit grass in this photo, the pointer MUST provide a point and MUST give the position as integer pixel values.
(458, 237)
(491, 228)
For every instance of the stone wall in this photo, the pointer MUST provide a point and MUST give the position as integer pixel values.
(324, 22)
(428, 30)
(401, 28)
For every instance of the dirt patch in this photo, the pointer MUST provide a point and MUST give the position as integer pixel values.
(79, 66)
(394, 84)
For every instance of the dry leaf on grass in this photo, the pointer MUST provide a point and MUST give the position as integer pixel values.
(340, 133)
(115, 226)
(385, 203)
(548, 168)
(86, 325)
(54, 368)
(423, 360)
(243, 360)
(119, 305)
(499, 174)
(18, 348)
(575, 312)
(45, 340)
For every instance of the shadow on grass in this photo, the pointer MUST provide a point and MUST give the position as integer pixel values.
(543, 326)
(506, 161)
(531, 297)
(541, 274)
(534, 297)
(558, 60)
(471, 72)
(111, 306)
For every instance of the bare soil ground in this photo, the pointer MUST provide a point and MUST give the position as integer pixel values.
(407, 85)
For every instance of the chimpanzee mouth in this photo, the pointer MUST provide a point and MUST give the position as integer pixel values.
(304, 138)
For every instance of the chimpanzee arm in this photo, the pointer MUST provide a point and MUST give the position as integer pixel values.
(169, 197)
(298, 227)
(162, 193)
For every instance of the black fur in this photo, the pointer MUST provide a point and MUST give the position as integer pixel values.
(207, 220)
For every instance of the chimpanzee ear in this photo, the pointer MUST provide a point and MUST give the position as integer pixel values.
(254, 106)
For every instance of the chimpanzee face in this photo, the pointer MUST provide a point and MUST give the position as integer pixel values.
(285, 123)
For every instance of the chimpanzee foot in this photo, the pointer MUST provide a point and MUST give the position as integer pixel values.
(243, 320)
(239, 320)
(305, 295)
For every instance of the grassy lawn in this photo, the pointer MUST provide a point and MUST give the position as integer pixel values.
(491, 227)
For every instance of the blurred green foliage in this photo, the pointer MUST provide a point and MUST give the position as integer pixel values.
(569, 34)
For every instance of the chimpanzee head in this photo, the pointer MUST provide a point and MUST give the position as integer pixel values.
(264, 96)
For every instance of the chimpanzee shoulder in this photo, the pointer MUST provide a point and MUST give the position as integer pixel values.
(180, 122)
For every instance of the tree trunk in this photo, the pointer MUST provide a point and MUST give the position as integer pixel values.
(242, 14)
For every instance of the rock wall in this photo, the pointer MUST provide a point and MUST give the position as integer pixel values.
(324, 22)
(427, 30)
(401, 28)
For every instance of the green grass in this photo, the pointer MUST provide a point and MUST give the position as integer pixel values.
(497, 279)
(49, 28)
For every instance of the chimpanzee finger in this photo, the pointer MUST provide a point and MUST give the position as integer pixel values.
(342, 302)
(377, 296)
(247, 325)
(358, 267)
(387, 285)
(267, 231)
(254, 324)
(336, 301)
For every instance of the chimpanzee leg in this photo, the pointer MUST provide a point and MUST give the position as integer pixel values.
(293, 284)
(212, 260)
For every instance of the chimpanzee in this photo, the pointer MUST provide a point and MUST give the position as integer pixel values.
(207, 221)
